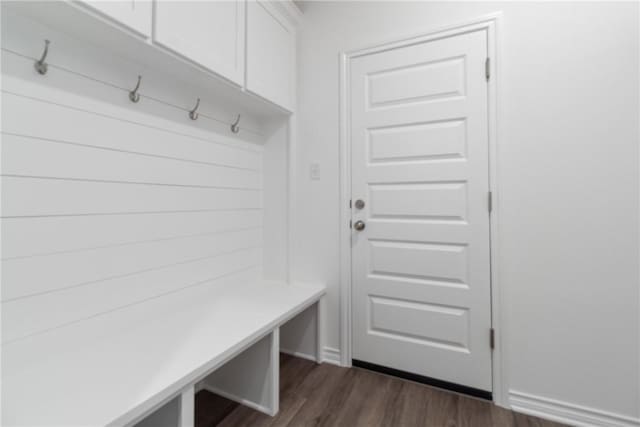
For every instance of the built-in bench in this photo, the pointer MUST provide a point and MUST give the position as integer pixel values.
(143, 363)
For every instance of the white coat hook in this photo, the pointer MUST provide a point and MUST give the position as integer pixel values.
(193, 114)
(134, 96)
(234, 126)
(40, 65)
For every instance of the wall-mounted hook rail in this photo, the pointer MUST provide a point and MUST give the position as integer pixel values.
(41, 66)
(134, 96)
(193, 114)
(235, 128)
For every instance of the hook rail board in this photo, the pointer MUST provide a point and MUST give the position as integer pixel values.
(42, 68)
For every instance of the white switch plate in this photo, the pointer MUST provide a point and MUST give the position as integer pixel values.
(314, 171)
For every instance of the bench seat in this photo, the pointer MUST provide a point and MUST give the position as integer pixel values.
(116, 368)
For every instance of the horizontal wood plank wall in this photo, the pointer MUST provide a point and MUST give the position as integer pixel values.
(104, 207)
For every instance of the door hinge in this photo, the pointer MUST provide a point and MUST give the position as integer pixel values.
(490, 201)
(492, 338)
(487, 68)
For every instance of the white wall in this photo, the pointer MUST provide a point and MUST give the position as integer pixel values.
(106, 203)
(568, 179)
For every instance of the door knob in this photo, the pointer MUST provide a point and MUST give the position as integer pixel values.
(359, 225)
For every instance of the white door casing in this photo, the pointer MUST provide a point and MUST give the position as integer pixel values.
(421, 290)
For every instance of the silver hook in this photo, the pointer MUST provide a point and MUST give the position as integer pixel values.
(134, 96)
(41, 66)
(234, 126)
(193, 115)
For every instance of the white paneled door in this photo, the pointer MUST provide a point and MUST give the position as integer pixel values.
(420, 186)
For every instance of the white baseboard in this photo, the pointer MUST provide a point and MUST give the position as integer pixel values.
(245, 402)
(567, 413)
(299, 354)
(331, 355)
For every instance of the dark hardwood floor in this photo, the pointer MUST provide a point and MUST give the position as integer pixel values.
(327, 395)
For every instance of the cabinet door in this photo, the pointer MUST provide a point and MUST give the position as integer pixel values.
(134, 14)
(270, 54)
(209, 33)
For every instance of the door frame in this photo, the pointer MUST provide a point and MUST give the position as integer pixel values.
(491, 24)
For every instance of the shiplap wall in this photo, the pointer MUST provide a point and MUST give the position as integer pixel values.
(105, 203)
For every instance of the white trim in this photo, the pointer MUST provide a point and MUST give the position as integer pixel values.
(490, 24)
(331, 356)
(345, 215)
(479, 23)
(567, 413)
(320, 327)
(494, 51)
(187, 407)
(291, 153)
(299, 354)
(292, 144)
(1, 221)
(288, 10)
(638, 234)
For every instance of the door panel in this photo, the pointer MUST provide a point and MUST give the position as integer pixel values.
(421, 275)
(441, 262)
(428, 200)
(416, 82)
(427, 324)
(421, 141)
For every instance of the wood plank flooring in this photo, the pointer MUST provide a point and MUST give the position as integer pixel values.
(327, 395)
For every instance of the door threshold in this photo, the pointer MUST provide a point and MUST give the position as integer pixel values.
(446, 385)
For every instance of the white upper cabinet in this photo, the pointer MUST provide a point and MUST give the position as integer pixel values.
(249, 43)
(209, 33)
(270, 53)
(134, 14)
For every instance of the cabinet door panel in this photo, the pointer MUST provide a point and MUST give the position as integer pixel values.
(270, 54)
(134, 14)
(209, 33)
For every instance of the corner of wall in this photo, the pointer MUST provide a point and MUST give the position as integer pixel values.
(332, 356)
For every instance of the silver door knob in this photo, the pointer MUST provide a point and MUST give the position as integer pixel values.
(359, 225)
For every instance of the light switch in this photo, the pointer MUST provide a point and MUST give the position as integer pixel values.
(314, 171)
